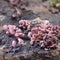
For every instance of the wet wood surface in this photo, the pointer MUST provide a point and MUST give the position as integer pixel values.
(35, 12)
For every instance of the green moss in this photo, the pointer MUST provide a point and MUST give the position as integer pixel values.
(52, 5)
(58, 1)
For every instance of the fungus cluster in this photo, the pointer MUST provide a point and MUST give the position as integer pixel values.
(12, 30)
(25, 24)
(45, 33)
